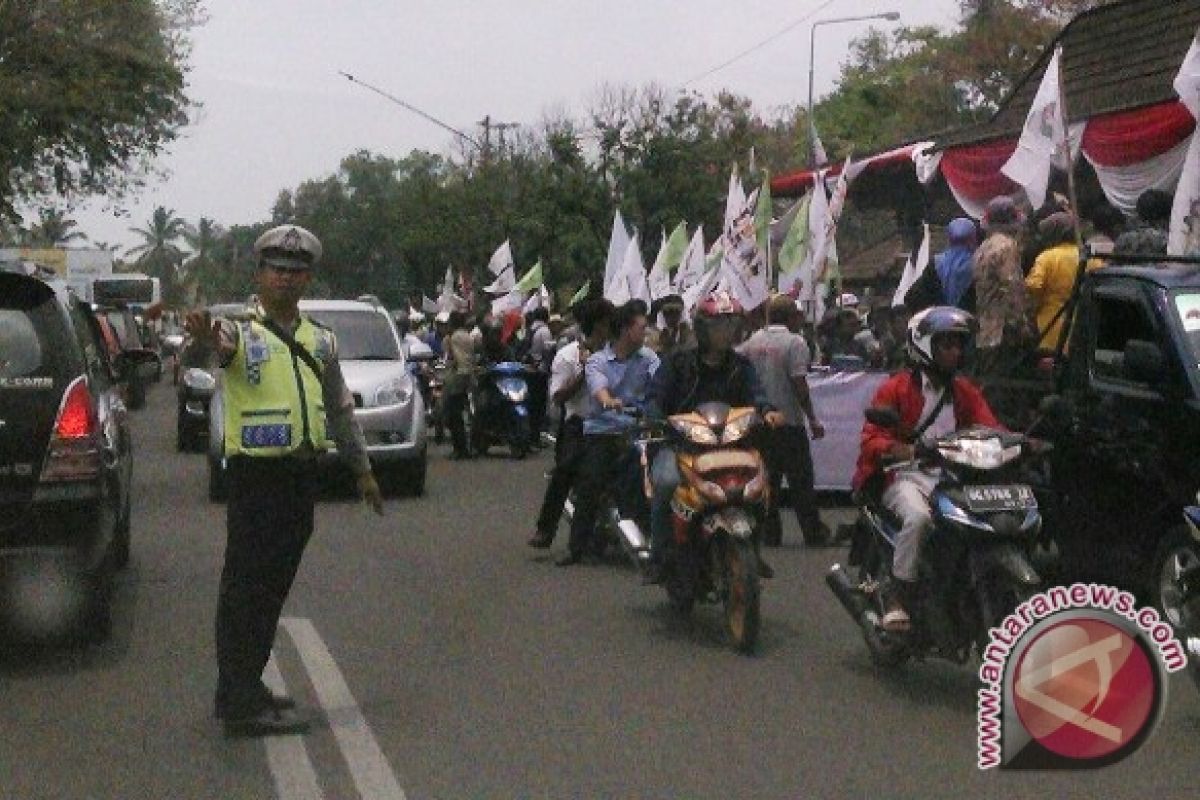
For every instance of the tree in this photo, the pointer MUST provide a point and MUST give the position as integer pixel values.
(89, 93)
(197, 274)
(159, 255)
(53, 227)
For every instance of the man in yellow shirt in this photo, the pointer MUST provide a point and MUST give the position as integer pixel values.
(1052, 279)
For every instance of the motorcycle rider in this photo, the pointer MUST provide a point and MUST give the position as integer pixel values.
(932, 400)
(617, 377)
(714, 371)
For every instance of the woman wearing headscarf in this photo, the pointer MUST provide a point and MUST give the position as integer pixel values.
(955, 266)
(1052, 278)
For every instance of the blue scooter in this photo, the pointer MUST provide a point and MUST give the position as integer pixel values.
(499, 410)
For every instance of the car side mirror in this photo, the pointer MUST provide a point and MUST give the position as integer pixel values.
(883, 416)
(420, 352)
(1144, 362)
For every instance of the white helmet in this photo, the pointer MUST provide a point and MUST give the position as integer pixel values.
(936, 321)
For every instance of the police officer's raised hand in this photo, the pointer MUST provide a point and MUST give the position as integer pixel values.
(201, 326)
(368, 490)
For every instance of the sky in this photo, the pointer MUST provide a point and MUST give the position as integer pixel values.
(275, 112)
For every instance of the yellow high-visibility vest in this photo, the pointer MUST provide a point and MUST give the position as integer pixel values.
(273, 402)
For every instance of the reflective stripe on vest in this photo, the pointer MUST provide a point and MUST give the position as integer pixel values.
(273, 401)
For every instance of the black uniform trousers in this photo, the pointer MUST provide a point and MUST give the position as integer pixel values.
(269, 521)
(607, 465)
(787, 453)
(568, 456)
(539, 390)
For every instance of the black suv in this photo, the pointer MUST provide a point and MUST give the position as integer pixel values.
(1127, 457)
(66, 461)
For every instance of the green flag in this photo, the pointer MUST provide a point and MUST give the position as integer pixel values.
(762, 213)
(794, 250)
(675, 247)
(531, 279)
(582, 293)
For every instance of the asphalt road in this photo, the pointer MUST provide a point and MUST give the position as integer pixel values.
(441, 657)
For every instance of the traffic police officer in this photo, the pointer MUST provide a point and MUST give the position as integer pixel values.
(284, 400)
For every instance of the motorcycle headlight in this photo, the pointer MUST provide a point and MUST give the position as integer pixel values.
(199, 379)
(395, 392)
(513, 390)
(980, 453)
(695, 432)
(738, 428)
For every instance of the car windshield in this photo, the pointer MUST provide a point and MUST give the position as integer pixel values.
(19, 343)
(361, 335)
(1187, 305)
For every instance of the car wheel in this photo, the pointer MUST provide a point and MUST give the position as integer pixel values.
(1177, 551)
(218, 487)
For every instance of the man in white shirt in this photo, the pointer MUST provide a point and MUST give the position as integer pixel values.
(568, 388)
(781, 358)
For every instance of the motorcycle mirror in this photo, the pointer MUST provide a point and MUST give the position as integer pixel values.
(883, 416)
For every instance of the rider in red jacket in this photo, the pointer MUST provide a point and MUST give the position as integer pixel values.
(931, 401)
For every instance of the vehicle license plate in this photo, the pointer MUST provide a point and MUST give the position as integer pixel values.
(1000, 498)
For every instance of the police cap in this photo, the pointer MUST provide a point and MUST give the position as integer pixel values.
(288, 247)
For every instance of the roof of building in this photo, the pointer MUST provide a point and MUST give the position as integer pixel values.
(1115, 57)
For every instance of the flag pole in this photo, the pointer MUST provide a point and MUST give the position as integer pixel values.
(1071, 195)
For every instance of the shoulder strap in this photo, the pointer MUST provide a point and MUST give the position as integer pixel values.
(297, 349)
(947, 393)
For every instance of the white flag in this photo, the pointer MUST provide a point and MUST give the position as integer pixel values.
(659, 280)
(735, 198)
(630, 282)
(1043, 141)
(705, 284)
(818, 215)
(509, 302)
(1184, 238)
(743, 261)
(691, 269)
(825, 254)
(539, 299)
(502, 266)
(618, 243)
(918, 260)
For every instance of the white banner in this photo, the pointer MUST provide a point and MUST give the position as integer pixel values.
(1184, 237)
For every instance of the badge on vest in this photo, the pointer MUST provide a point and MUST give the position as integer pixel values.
(277, 435)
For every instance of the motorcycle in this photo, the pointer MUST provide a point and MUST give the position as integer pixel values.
(975, 565)
(498, 411)
(615, 531)
(195, 394)
(716, 516)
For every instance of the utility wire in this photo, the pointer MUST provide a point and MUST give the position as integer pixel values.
(778, 34)
(411, 108)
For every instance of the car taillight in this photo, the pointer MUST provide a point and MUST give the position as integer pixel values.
(74, 452)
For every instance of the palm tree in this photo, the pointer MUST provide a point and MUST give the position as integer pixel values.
(203, 239)
(54, 227)
(159, 255)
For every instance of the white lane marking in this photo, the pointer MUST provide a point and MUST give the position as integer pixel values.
(368, 766)
(295, 778)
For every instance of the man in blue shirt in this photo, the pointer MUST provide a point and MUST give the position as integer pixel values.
(618, 378)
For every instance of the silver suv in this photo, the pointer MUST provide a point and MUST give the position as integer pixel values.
(387, 403)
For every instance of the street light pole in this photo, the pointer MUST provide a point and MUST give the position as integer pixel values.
(891, 16)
